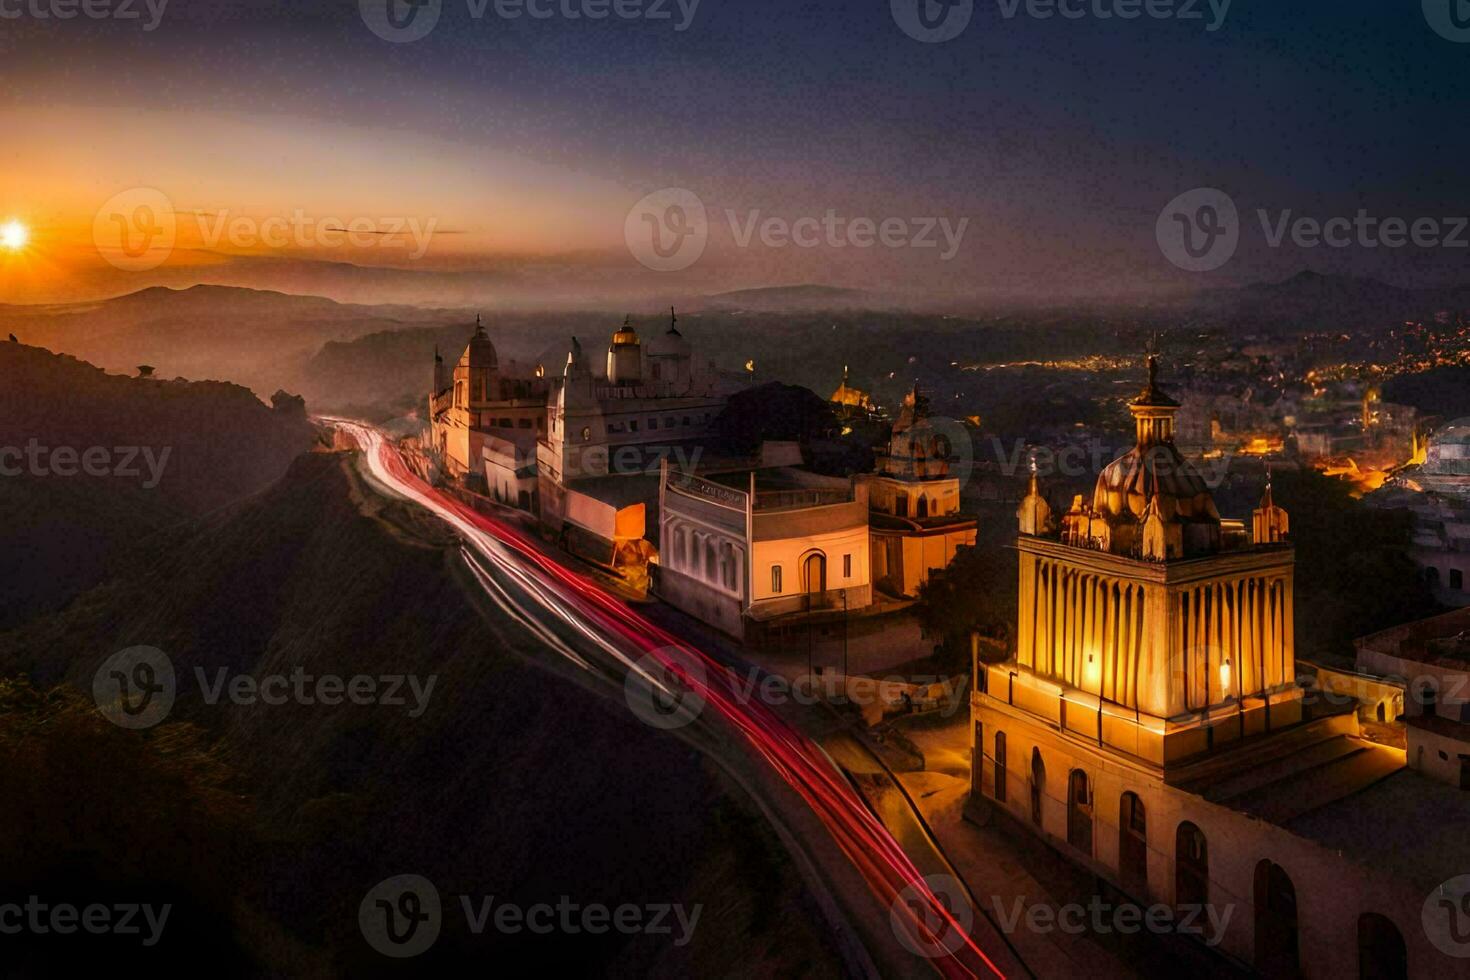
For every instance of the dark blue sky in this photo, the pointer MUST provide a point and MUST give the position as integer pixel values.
(1060, 139)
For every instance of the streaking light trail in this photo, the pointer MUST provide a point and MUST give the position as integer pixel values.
(635, 642)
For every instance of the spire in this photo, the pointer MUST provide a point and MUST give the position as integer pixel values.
(1269, 523)
(674, 323)
(479, 328)
(1034, 514)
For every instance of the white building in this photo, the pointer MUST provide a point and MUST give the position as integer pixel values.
(747, 547)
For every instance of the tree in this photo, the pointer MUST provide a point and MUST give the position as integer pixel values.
(977, 592)
(784, 413)
(1353, 571)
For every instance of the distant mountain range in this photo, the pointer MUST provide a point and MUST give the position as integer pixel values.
(1343, 300)
(793, 298)
(256, 338)
(162, 452)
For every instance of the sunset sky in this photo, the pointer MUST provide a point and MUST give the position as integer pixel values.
(522, 144)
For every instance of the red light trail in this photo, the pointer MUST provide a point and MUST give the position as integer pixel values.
(581, 602)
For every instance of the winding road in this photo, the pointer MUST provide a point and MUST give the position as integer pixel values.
(596, 631)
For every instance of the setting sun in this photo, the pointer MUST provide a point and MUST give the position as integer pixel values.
(13, 235)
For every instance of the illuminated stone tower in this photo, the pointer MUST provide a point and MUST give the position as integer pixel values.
(625, 356)
(1148, 624)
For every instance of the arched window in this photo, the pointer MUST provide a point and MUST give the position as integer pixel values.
(1381, 951)
(1191, 866)
(680, 555)
(1276, 922)
(1038, 785)
(1133, 844)
(921, 508)
(711, 568)
(1000, 767)
(1079, 812)
(1427, 696)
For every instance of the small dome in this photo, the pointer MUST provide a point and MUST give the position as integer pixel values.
(1126, 484)
(671, 343)
(625, 334)
(480, 352)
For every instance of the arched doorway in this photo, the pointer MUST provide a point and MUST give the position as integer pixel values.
(1133, 845)
(1038, 785)
(1191, 866)
(1381, 951)
(1079, 812)
(922, 508)
(814, 573)
(1276, 922)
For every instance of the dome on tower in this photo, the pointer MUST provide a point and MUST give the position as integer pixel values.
(480, 352)
(1153, 469)
(625, 334)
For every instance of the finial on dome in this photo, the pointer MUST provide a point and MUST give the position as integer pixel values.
(673, 322)
(479, 326)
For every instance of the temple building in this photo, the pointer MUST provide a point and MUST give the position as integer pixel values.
(1150, 727)
(914, 503)
(478, 399)
(579, 450)
(850, 402)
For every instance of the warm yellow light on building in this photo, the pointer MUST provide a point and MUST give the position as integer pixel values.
(1225, 677)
